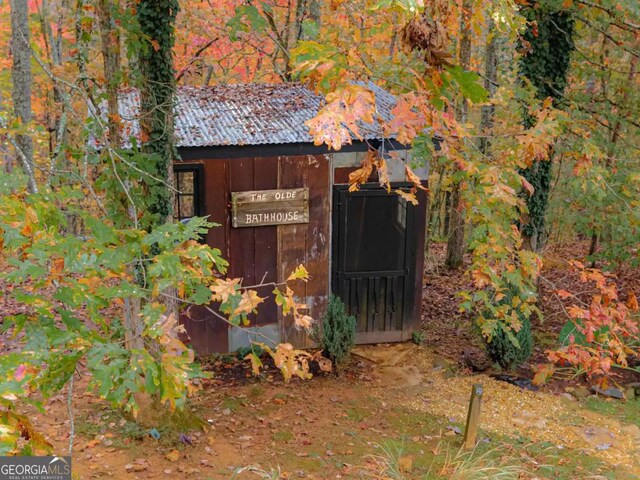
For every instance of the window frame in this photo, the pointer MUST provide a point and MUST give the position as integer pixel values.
(198, 188)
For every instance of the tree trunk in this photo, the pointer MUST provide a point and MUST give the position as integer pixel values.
(157, 96)
(157, 91)
(455, 240)
(549, 38)
(22, 80)
(490, 84)
(110, 39)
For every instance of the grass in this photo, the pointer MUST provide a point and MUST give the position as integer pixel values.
(389, 462)
(271, 474)
(498, 457)
(283, 436)
(126, 432)
(357, 414)
(628, 412)
(232, 403)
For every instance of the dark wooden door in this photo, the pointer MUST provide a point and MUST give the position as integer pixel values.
(374, 260)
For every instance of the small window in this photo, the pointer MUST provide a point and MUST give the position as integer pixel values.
(187, 180)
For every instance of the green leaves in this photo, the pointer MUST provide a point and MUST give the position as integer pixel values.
(247, 18)
(468, 84)
(102, 233)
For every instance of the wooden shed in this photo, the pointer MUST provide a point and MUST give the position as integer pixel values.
(249, 163)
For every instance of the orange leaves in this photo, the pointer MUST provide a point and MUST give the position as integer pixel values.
(427, 35)
(543, 374)
(411, 115)
(413, 178)
(535, 142)
(338, 120)
(632, 303)
(563, 294)
(362, 174)
(57, 267)
(605, 331)
(480, 278)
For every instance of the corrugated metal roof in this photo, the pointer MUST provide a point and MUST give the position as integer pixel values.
(247, 114)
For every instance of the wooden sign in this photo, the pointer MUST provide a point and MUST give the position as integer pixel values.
(270, 207)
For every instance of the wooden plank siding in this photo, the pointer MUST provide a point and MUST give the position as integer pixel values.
(306, 244)
(266, 253)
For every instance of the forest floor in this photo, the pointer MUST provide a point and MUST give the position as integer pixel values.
(396, 411)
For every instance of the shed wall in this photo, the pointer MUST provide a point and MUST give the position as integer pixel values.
(265, 254)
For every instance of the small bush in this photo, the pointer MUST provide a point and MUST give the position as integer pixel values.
(337, 336)
(502, 350)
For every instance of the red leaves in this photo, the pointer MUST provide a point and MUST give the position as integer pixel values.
(609, 330)
(411, 115)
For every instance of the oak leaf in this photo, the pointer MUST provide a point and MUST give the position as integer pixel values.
(222, 289)
(248, 303)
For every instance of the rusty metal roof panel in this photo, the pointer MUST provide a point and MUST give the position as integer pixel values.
(247, 114)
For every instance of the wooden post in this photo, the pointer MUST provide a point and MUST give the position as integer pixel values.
(473, 417)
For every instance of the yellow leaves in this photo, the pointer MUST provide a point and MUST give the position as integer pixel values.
(256, 363)
(17, 429)
(338, 120)
(248, 303)
(300, 273)
(235, 301)
(288, 304)
(290, 361)
(303, 321)
(223, 289)
(168, 329)
(408, 196)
